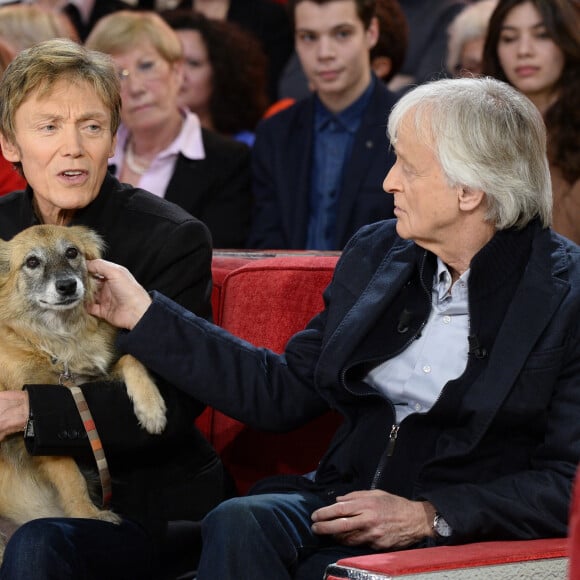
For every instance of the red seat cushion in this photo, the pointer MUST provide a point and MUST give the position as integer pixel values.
(425, 560)
(574, 532)
(265, 302)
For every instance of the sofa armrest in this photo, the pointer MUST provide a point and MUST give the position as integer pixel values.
(533, 559)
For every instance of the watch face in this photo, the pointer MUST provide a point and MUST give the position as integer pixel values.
(441, 527)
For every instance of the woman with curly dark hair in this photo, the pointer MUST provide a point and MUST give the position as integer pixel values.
(225, 80)
(535, 46)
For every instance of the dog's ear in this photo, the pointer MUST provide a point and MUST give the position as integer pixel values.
(93, 244)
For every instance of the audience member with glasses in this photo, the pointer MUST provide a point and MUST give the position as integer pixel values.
(161, 146)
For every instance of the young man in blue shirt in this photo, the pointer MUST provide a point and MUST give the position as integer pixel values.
(317, 166)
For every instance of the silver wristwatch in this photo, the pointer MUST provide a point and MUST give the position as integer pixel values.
(441, 527)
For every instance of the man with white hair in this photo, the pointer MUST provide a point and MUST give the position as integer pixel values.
(449, 341)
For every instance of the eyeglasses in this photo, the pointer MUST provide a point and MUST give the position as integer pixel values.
(146, 70)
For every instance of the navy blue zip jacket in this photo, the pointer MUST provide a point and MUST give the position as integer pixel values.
(497, 452)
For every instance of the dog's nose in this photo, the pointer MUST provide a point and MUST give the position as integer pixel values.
(67, 286)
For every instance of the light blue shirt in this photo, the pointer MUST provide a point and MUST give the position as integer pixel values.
(414, 379)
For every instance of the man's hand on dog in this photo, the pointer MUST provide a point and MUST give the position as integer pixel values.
(14, 411)
(120, 300)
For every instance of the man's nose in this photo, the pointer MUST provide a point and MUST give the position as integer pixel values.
(325, 47)
(72, 143)
(390, 181)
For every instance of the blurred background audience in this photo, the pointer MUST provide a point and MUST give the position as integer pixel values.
(238, 65)
(22, 25)
(318, 166)
(535, 46)
(161, 146)
(428, 22)
(224, 80)
(387, 55)
(266, 19)
(466, 37)
(390, 51)
(10, 179)
(83, 14)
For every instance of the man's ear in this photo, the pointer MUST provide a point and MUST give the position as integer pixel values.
(10, 150)
(372, 32)
(469, 198)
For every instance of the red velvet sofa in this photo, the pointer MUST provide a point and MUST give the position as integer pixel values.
(265, 298)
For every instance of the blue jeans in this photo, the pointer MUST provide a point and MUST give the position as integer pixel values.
(267, 536)
(78, 549)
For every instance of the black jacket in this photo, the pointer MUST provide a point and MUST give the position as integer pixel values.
(497, 452)
(215, 189)
(176, 475)
(281, 172)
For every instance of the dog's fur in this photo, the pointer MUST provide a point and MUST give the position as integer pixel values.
(45, 330)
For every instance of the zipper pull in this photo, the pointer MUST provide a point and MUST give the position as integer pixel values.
(392, 439)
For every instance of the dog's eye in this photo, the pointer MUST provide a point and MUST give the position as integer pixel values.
(71, 253)
(32, 262)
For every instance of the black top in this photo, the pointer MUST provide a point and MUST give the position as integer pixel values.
(175, 475)
(162, 245)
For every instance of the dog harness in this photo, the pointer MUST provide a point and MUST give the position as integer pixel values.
(67, 379)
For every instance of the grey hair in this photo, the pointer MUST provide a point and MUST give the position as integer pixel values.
(487, 136)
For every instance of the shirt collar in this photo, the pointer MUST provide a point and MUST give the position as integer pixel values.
(189, 141)
(443, 280)
(350, 117)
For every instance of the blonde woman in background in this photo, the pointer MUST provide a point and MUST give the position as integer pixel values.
(22, 25)
(161, 146)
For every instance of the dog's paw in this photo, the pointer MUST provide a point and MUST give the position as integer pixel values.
(152, 414)
(153, 423)
(148, 403)
(108, 516)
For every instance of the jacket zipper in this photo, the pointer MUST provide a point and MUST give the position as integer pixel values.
(394, 430)
(392, 440)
